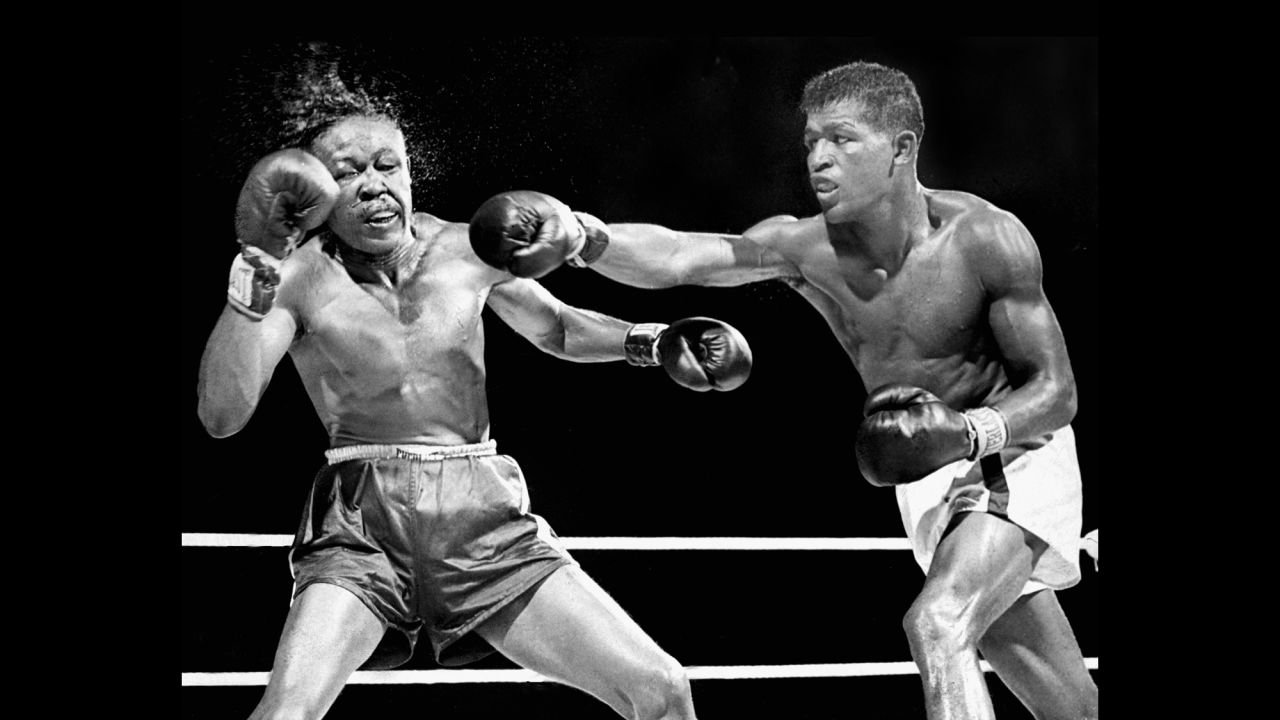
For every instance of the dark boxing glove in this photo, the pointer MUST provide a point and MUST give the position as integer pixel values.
(699, 353)
(908, 433)
(529, 234)
(286, 194)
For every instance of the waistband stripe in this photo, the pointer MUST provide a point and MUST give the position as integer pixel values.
(410, 452)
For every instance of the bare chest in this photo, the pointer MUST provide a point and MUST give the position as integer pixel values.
(375, 329)
(932, 308)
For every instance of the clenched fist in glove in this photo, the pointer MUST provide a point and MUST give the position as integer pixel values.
(286, 194)
(699, 353)
(908, 433)
(529, 234)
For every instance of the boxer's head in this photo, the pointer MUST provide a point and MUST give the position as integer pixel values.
(361, 142)
(863, 126)
(367, 156)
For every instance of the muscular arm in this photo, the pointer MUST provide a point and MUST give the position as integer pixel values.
(1026, 331)
(237, 364)
(556, 328)
(652, 256)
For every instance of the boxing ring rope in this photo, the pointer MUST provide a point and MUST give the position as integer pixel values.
(695, 672)
(610, 543)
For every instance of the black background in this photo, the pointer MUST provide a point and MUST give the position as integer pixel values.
(696, 134)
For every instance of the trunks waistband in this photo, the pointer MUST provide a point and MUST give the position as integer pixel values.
(410, 452)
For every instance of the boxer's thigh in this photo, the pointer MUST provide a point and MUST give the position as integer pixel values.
(980, 567)
(328, 633)
(570, 630)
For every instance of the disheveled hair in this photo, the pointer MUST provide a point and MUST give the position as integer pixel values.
(317, 98)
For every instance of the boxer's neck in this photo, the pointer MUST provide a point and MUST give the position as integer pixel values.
(885, 233)
(385, 268)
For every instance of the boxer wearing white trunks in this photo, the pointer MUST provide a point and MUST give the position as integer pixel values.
(936, 297)
(1039, 492)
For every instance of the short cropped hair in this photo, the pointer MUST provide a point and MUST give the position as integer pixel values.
(889, 98)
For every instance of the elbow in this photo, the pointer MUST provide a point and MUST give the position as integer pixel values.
(1067, 401)
(677, 270)
(677, 274)
(556, 344)
(219, 422)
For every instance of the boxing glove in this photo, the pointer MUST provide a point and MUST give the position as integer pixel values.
(908, 432)
(529, 234)
(699, 353)
(286, 194)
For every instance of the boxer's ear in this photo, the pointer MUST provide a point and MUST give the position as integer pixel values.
(905, 146)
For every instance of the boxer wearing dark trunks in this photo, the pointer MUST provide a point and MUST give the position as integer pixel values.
(416, 522)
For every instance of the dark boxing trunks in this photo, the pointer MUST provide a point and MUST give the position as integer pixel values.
(436, 543)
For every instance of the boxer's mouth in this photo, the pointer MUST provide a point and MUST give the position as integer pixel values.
(380, 217)
(822, 185)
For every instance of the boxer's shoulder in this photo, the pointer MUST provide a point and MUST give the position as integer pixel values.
(971, 219)
(306, 264)
(988, 237)
(428, 227)
(445, 238)
(789, 236)
(449, 244)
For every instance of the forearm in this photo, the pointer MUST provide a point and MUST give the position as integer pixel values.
(652, 256)
(237, 364)
(699, 353)
(587, 336)
(1043, 404)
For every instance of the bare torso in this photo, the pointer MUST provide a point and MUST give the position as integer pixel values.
(925, 325)
(400, 363)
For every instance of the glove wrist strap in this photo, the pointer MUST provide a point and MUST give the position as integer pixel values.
(251, 287)
(989, 430)
(592, 248)
(641, 344)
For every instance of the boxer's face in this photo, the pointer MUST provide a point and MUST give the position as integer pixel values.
(367, 157)
(850, 163)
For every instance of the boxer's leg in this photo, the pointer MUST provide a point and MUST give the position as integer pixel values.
(569, 630)
(978, 571)
(1033, 650)
(329, 632)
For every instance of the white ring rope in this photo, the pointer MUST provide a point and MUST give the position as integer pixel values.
(707, 672)
(609, 543)
(719, 672)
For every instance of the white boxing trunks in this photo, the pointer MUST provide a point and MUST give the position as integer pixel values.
(1039, 491)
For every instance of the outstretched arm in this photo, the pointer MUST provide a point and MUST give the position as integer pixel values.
(562, 330)
(1026, 330)
(698, 353)
(529, 234)
(652, 256)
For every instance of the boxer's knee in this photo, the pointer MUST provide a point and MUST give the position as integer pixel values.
(938, 623)
(661, 692)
